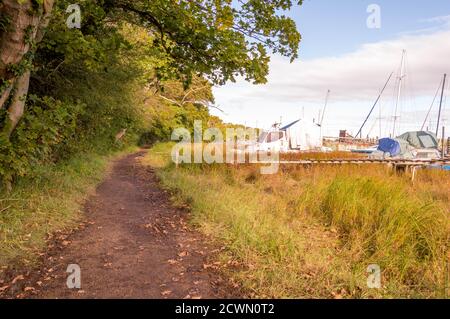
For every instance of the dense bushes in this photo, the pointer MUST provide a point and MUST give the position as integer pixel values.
(42, 135)
(84, 89)
(164, 118)
(55, 129)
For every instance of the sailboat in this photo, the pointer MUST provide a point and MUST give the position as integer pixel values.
(441, 88)
(410, 145)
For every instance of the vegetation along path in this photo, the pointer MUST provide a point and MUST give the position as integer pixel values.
(134, 245)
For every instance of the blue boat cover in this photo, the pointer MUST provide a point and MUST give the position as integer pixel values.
(389, 145)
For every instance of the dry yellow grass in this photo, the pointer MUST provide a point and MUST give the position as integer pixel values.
(312, 232)
(321, 156)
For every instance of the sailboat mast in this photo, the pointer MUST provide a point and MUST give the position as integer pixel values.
(440, 105)
(399, 93)
(431, 107)
(379, 120)
(325, 107)
(373, 107)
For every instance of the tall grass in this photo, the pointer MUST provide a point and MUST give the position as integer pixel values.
(380, 221)
(312, 232)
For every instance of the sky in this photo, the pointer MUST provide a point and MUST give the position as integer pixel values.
(340, 53)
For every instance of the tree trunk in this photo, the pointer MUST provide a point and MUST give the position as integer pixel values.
(5, 95)
(14, 44)
(26, 28)
(17, 107)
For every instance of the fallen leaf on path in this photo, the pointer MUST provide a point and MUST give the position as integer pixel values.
(172, 261)
(233, 263)
(166, 292)
(20, 277)
(209, 266)
(3, 288)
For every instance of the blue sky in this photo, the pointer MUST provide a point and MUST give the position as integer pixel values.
(339, 26)
(339, 52)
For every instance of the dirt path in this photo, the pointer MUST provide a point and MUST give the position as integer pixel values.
(134, 245)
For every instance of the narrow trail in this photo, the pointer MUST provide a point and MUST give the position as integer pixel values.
(135, 245)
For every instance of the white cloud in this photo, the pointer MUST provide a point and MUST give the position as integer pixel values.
(358, 75)
(354, 79)
(445, 20)
(437, 24)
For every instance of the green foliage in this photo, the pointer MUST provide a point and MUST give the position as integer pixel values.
(41, 135)
(5, 23)
(94, 47)
(4, 85)
(218, 39)
(165, 118)
(89, 84)
(83, 91)
(21, 67)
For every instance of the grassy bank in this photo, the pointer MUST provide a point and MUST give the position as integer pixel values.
(48, 200)
(313, 232)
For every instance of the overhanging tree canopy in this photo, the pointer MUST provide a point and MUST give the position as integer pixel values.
(216, 39)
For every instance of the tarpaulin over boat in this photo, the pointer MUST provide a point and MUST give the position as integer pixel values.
(395, 147)
(420, 139)
(409, 146)
(389, 145)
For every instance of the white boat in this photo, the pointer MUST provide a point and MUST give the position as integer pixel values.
(300, 135)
